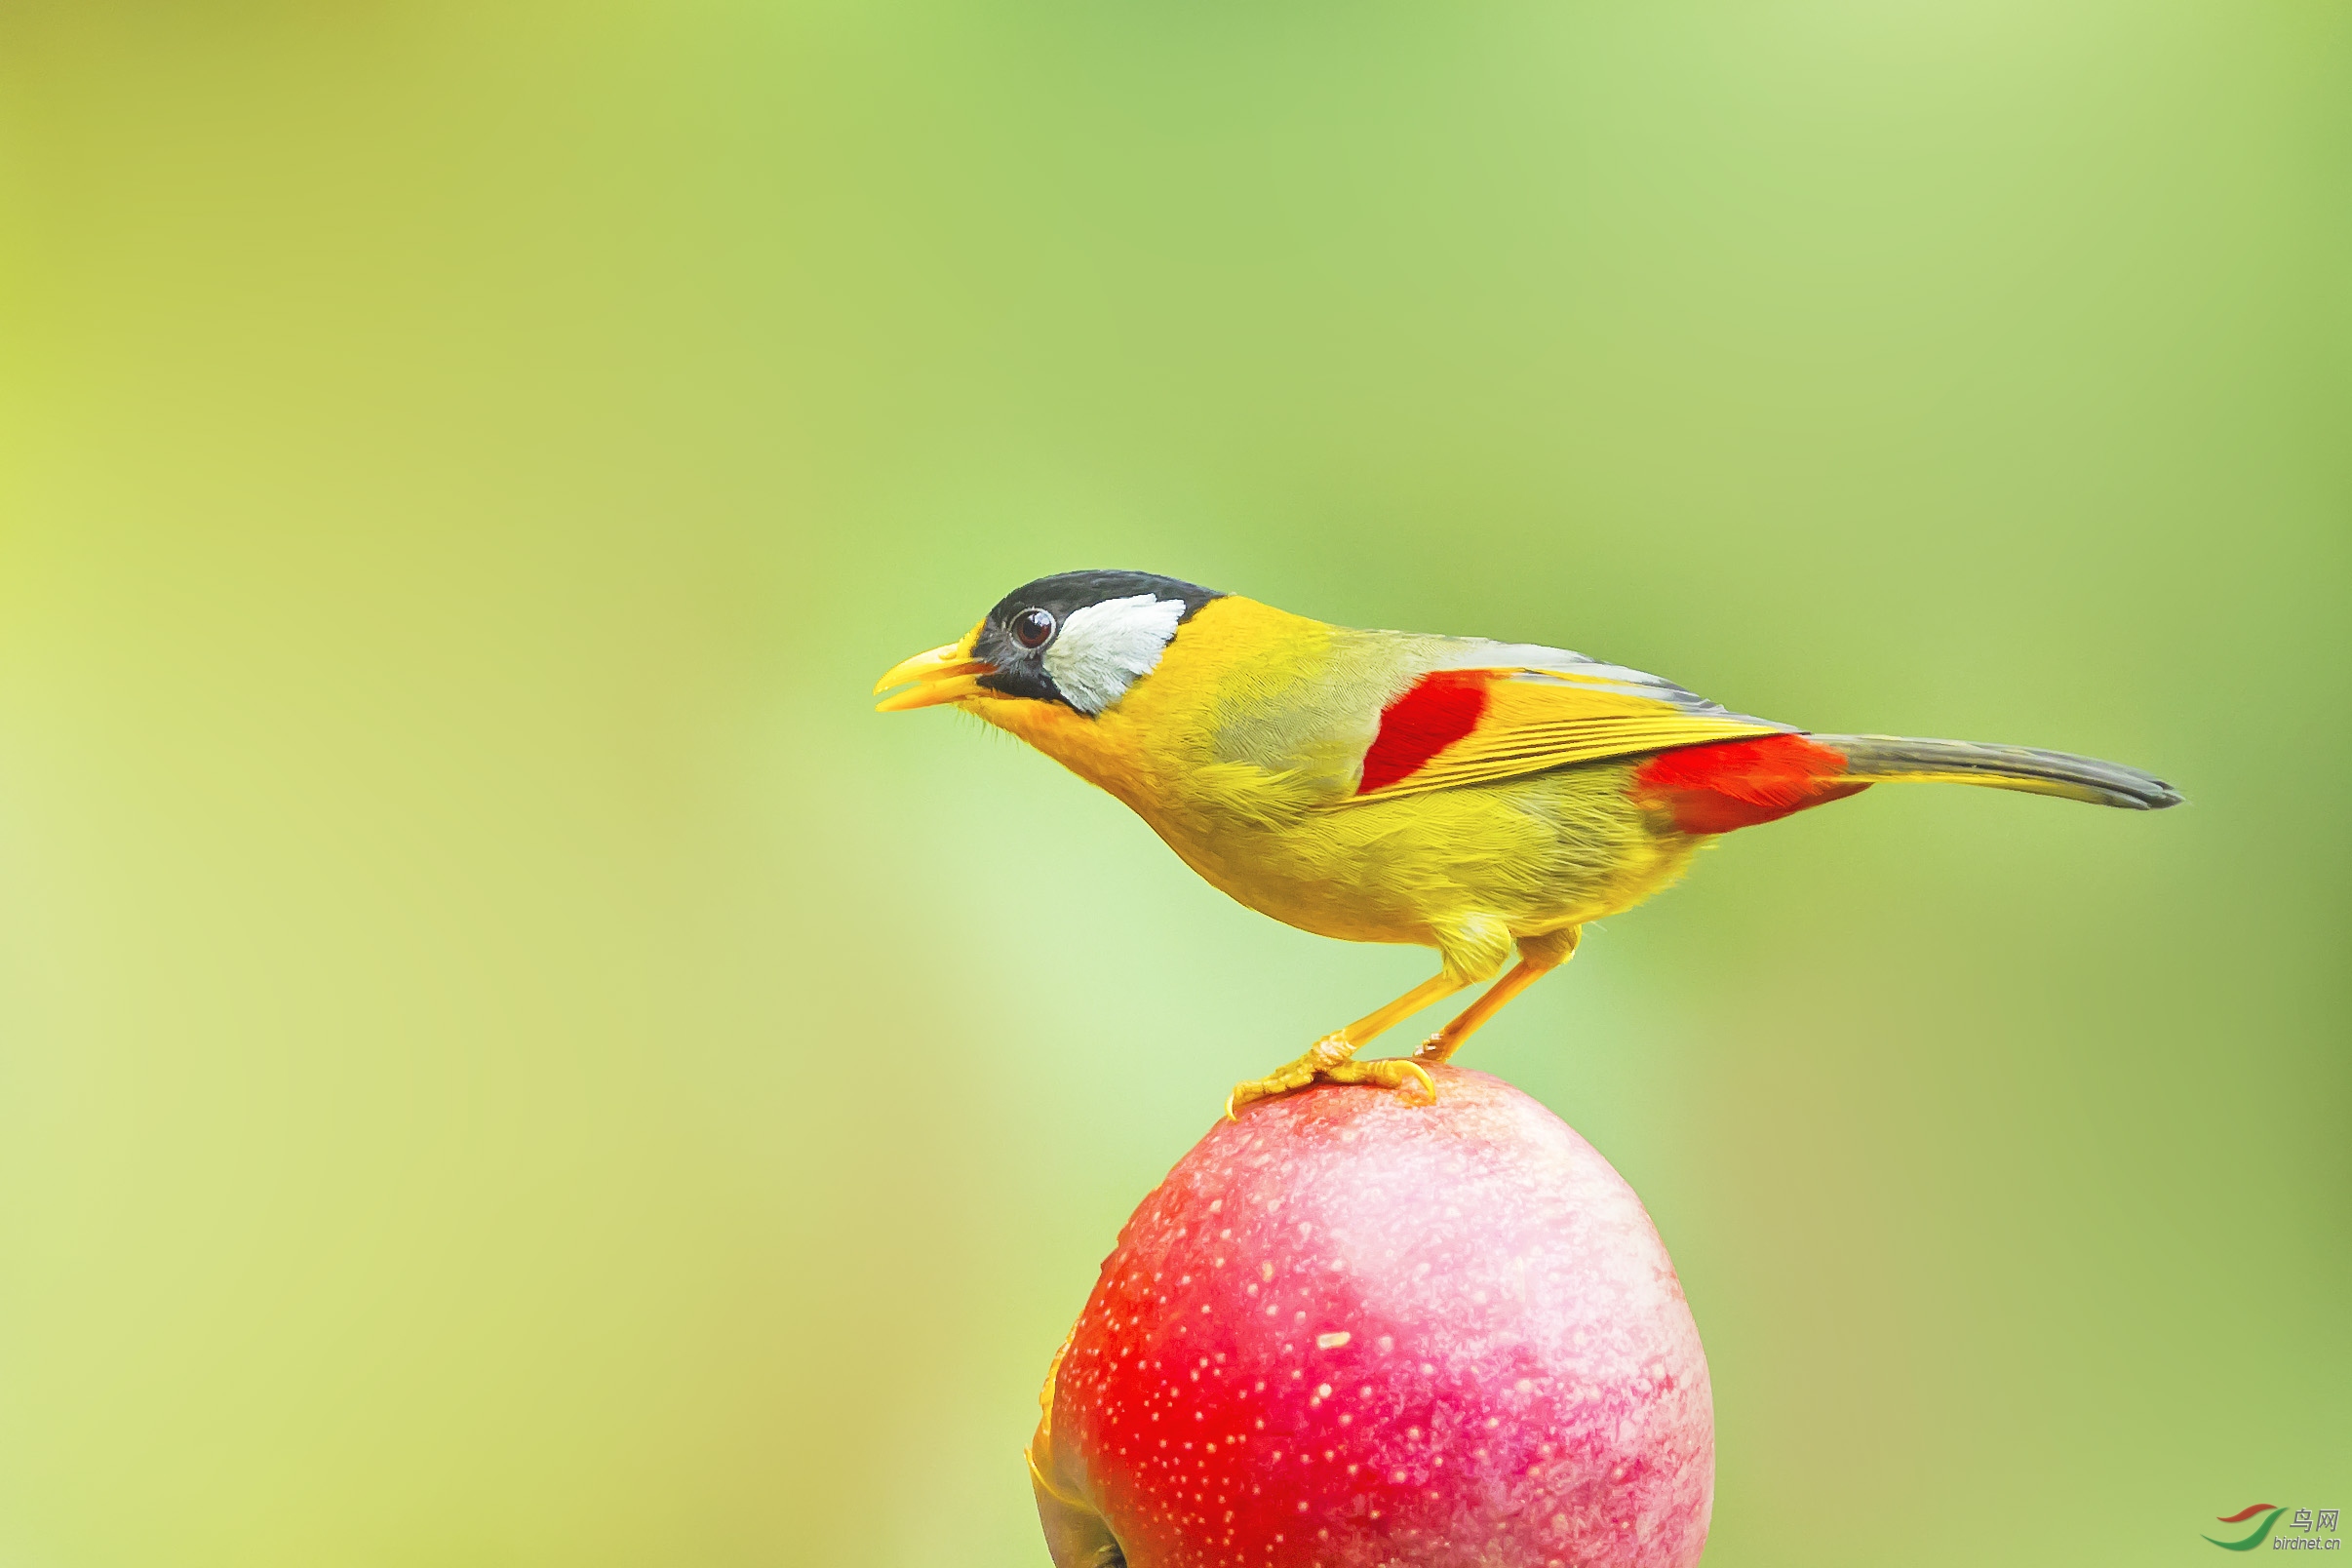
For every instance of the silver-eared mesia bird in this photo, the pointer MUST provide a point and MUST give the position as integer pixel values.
(1468, 796)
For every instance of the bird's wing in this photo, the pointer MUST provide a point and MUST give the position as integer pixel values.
(1528, 710)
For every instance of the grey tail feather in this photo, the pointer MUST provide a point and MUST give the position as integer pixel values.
(1889, 758)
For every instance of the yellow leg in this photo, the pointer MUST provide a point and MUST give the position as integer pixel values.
(1333, 1057)
(1381, 1020)
(1538, 955)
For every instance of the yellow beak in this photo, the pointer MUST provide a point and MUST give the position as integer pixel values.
(945, 674)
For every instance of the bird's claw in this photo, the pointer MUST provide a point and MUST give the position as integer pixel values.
(1331, 1060)
(1387, 1072)
(1282, 1081)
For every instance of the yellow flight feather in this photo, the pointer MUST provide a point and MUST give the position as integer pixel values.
(1536, 720)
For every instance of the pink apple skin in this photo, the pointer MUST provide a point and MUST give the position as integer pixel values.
(1356, 1331)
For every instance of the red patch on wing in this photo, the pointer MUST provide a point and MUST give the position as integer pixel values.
(1739, 783)
(1438, 710)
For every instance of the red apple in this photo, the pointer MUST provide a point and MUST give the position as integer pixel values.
(1356, 1330)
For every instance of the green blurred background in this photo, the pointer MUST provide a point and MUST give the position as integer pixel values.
(504, 1059)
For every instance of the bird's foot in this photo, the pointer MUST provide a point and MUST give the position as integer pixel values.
(1439, 1047)
(1387, 1072)
(1332, 1060)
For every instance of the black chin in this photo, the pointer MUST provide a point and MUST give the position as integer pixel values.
(1026, 681)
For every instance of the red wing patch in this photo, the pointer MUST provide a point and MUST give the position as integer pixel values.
(1434, 711)
(1740, 783)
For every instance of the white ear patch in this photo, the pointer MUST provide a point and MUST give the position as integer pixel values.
(1107, 647)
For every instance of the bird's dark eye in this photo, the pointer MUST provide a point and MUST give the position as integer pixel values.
(1032, 627)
